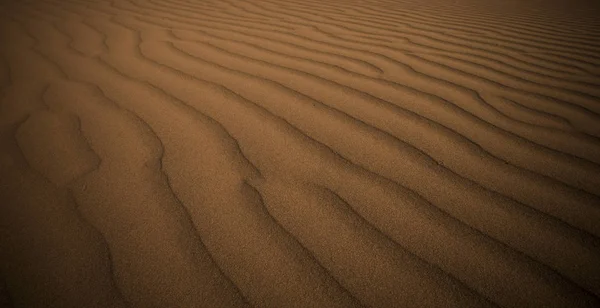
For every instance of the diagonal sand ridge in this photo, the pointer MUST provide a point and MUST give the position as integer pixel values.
(286, 153)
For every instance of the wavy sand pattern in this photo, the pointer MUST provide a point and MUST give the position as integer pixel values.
(286, 153)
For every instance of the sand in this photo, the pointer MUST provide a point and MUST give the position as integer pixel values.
(286, 153)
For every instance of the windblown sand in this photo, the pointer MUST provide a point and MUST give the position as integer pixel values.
(287, 153)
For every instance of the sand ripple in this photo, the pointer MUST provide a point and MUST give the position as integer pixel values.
(273, 153)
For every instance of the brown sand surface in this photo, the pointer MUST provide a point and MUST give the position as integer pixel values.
(287, 153)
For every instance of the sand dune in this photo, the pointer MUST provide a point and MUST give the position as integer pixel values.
(284, 153)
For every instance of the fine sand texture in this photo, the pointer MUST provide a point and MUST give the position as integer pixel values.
(299, 153)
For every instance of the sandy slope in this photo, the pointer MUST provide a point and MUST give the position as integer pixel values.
(283, 153)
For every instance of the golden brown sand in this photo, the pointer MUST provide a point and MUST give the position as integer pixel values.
(287, 153)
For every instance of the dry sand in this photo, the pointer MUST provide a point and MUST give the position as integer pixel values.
(287, 153)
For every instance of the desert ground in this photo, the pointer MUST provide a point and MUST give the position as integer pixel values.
(299, 153)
